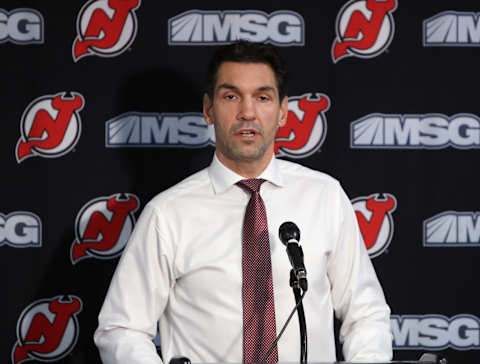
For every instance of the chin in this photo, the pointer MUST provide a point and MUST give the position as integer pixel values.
(250, 155)
(245, 152)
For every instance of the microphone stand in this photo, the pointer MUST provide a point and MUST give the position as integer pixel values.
(272, 347)
(290, 235)
(297, 292)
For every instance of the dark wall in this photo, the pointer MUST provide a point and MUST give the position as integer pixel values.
(96, 122)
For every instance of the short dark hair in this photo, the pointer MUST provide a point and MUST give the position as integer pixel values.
(245, 52)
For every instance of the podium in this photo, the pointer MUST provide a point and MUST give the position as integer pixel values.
(426, 358)
(173, 361)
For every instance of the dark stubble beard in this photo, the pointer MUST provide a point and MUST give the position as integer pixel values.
(245, 153)
(237, 153)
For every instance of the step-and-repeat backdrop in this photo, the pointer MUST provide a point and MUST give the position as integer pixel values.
(100, 103)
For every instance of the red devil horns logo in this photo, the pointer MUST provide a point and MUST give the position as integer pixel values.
(364, 28)
(47, 329)
(305, 129)
(103, 227)
(105, 30)
(50, 126)
(374, 216)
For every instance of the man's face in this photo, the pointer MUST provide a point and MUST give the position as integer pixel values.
(245, 111)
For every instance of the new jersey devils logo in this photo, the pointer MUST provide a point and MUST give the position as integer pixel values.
(306, 126)
(103, 226)
(50, 126)
(105, 28)
(364, 28)
(47, 329)
(374, 215)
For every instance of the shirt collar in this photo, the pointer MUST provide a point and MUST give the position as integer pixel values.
(223, 178)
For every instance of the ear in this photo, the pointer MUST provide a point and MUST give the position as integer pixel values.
(283, 112)
(207, 109)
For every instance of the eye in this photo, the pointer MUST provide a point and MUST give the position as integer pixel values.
(264, 98)
(230, 97)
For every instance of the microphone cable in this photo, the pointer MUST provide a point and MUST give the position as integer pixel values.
(272, 347)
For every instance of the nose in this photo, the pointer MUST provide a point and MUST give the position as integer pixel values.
(247, 109)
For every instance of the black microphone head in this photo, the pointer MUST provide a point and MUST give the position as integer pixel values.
(288, 231)
(180, 360)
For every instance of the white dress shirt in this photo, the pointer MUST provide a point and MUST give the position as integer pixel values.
(183, 268)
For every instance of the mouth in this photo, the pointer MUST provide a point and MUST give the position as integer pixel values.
(247, 134)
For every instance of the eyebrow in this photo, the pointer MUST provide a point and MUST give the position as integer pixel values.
(229, 86)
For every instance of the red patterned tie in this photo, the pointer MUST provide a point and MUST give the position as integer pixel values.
(259, 329)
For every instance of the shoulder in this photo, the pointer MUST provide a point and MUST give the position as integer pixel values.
(299, 173)
(198, 184)
(317, 190)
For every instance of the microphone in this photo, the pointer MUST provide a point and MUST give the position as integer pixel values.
(179, 360)
(290, 235)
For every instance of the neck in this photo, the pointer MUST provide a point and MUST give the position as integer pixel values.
(248, 168)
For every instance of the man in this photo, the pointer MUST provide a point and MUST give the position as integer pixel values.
(185, 263)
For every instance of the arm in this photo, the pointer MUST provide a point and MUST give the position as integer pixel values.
(137, 296)
(357, 295)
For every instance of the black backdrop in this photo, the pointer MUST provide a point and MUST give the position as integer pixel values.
(419, 84)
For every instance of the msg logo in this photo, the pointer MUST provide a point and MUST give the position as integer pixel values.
(435, 332)
(20, 230)
(21, 26)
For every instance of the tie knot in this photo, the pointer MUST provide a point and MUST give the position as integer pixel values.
(252, 184)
